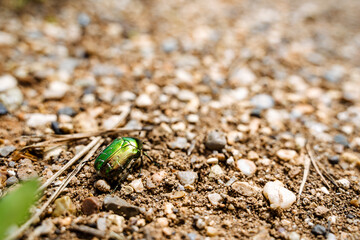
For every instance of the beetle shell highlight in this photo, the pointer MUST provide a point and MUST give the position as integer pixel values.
(119, 156)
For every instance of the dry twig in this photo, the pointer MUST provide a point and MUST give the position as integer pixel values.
(313, 161)
(307, 164)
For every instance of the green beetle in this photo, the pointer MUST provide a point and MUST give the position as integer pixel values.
(120, 157)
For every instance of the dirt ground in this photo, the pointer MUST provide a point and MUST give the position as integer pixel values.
(269, 76)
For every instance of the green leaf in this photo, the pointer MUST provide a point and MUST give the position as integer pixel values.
(14, 207)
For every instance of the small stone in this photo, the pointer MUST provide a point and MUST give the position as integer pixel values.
(177, 195)
(179, 143)
(256, 112)
(179, 127)
(192, 236)
(187, 177)
(63, 206)
(335, 74)
(192, 118)
(169, 45)
(115, 222)
(101, 224)
(7, 82)
(294, 236)
(3, 109)
(212, 232)
(253, 155)
(212, 161)
(216, 171)
(234, 137)
(331, 236)
(278, 195)
(318, 230)
(262, 101)
(162, 222)
(37, 119)
(167, 231)
(83, 19)
(69, 111)
(127, 190)
(143, 100)
(355, 202)
(158, 177)
(247, 167)
(286, 154)
(55, 127)
(90, 205)
(242, 76)
(56, 90)
(111, 122)
(333, 159)
(11, 181)
(5, 151)
(200, 224)
(137, 185)
(350, 157)
(102, 186)
(344, 183)
(245, 189)
(215, 140)
(120, 206)
(214, 198)
(341, 139)
(11, 98)
(321, 210)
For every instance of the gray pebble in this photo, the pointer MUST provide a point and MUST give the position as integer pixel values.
(120, 206)
(318, 230)
(335, 74)
(3, 109)
(215, 140)
(262, 101)
(5, 151)
(169, 45)
(83, 19)
(341, 139)
(11, 181)
(192, 236)
(67, 111)
(179, 143)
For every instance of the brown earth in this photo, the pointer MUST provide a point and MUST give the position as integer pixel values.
(285, 49)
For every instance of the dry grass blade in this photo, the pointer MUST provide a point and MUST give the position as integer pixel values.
(70, 163)
(77, 136)
(27, 224)
(307, 164)
(313, 161)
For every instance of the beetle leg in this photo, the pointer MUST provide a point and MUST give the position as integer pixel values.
(152, 160)
(141, 165)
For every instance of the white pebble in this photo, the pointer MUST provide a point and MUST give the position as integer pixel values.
(144, 100)
(294, 236)
(56, 90)
(7, 82)
(137, 185)
(247, 167)
(38, 119)
(216, 171)
(111, 122)
(286, 154)
(212, 161)
(324, 190)
(245, 188)
(278, 195)
(214, 198)
(344, 183)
